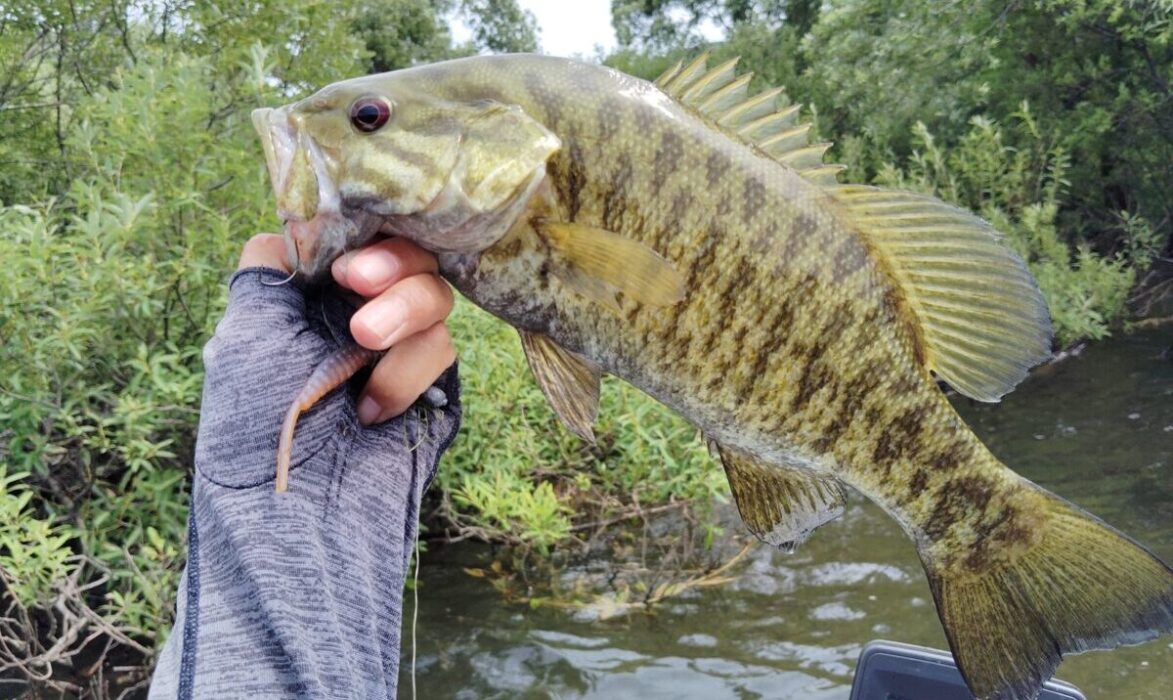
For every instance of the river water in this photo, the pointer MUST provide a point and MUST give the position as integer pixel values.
(1096, 429)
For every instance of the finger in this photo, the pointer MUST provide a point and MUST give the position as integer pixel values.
(373, 269)
(406, 308)
(264, 250)
(406, 372)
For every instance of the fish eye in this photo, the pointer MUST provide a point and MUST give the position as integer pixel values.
(369, 114)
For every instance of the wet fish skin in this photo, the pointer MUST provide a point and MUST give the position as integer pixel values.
(746, 356)
(811, 317)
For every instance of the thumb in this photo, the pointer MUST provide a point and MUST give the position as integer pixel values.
(262, 300)
(264, 250)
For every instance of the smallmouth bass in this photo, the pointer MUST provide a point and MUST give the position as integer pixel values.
(687, 237)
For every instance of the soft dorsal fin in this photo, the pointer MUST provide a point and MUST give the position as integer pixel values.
(982, 320)
(763, 121)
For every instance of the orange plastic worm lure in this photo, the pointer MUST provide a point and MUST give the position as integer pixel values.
(332, 373)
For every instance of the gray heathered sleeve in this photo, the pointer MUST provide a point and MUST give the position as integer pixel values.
(296, 594)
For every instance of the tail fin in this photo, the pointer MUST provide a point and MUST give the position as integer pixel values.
(1083, 586)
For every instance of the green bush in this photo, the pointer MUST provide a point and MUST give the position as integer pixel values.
(114, 272)
(1097, 74)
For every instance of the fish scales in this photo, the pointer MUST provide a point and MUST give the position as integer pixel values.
(746, 339)
(685, 238)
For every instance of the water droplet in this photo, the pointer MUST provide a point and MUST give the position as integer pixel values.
(1133, 416)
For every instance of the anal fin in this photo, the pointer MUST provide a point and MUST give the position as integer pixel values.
(780, 505)
(569, 382)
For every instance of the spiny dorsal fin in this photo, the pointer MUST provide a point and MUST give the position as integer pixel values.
(569, 382)
(669, 74)
(722, 97)
(983, 321)
(782, 506)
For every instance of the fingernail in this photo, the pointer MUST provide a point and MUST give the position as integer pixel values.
(375, 266)
(339, 267)
(368, 410)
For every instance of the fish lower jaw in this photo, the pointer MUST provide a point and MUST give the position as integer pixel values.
(458, 268)
(313, 245)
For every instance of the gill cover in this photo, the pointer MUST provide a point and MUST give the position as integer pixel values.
(499, 164)
(502, 148)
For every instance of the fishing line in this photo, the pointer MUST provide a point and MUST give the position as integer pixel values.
(415, 595)
(285, 281)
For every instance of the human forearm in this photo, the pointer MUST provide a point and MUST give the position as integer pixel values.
(296, 594)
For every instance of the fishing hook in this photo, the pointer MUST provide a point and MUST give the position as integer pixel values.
(293, 274)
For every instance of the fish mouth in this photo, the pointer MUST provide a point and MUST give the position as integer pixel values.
(296, 166)
(308, 200)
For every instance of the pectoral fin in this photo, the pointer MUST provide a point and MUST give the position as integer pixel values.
(781, 505)
(570, 383)
(598, 263)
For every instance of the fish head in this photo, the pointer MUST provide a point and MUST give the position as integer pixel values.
(402, 155)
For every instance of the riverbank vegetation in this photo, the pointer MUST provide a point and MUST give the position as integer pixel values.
(130, 176)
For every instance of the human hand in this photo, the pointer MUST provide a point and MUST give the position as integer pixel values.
(274, 335)
(405, 312)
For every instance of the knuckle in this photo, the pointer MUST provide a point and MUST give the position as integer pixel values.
(383, 386)
(260, 241)
(441, 292)
(409, 255)
(415, 298)
(263, 250)
(435, 344)
(422, 293)
(439, 339)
